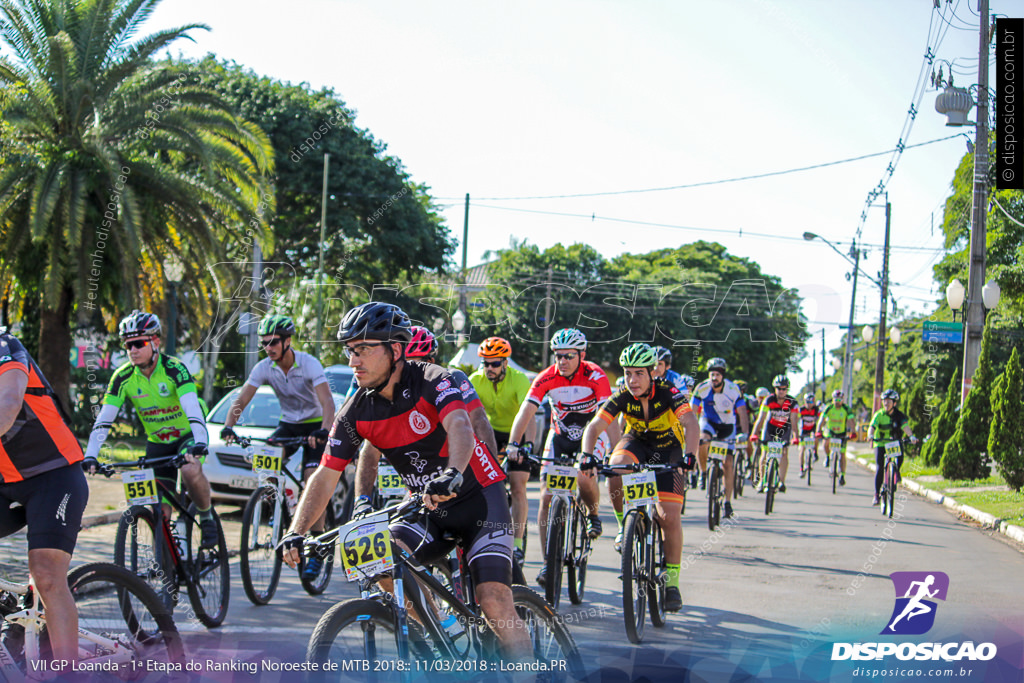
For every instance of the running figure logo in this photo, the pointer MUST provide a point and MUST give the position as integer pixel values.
(914, 613)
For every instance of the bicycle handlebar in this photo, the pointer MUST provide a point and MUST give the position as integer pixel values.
(108, 469)
(614, 470)
(408, 511)
(246, 441)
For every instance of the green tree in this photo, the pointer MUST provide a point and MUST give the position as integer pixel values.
(944, 423)
(962, 456)
(112, 164)
(1004, 440)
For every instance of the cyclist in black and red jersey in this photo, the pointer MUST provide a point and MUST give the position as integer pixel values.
(809, 414)
(414, 414)
(576, 388)
(777, 421)
(42, 486)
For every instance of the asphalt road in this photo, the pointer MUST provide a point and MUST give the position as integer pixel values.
(765, 598)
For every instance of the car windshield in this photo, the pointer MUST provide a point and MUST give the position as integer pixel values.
(339, 377)
(263, 411)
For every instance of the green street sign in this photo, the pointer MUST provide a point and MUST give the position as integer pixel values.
(942, 332)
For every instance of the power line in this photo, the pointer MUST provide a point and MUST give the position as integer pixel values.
(705, 183)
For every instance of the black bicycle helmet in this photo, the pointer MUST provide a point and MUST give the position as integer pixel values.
(376, 320)
(139, 324)
(781, 381)
(717, 364)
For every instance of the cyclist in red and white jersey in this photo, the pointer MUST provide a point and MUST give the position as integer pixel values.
(576, 388)
(778, 420)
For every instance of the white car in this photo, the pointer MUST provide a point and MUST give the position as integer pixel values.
(230, 474)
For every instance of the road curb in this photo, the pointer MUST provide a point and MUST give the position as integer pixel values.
(985, 519)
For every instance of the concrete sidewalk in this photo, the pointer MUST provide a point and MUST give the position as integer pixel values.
(864, 456)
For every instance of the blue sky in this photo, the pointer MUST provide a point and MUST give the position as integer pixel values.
(509, 100)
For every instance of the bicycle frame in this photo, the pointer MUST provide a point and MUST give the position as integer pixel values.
(32, 619)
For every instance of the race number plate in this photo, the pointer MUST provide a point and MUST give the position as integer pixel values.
(560, 478)
(389, 482)
(892, 449)
(774, 449)
(366, 547)
(835, 445)
(267, 459)
(718, 450)
(808, 441)
(140, 487)
(639, 489)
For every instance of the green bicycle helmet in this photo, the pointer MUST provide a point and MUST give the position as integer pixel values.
(276, 324)
(638, 356)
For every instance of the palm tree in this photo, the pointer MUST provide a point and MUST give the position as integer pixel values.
(113, 162)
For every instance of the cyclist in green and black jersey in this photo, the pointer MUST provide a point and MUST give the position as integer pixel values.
(888, 424)
(164, 395)
(836, 422)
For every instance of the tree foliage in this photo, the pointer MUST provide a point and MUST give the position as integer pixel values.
(962, 456)
(944, 424)
(1005, 444)
(112, 164)
(697, 299)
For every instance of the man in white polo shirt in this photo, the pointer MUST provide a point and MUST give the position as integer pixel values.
(307, 406)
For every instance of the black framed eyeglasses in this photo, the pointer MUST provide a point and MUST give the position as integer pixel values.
(566, 356)
(359, 350)
(267, 343)
(136, 344)
(493, 363)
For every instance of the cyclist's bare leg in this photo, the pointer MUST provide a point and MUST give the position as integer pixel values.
(670, 518)
(615, 493)
(318, 525)
(702, 453)
(49, 569)
(784, 464)
(495, 600)
(520, 506)
(542, 516)
(197, 484)
(590, 492)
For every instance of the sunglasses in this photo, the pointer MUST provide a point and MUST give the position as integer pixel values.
(267, 343)
(493, 363)
(566, 356)
(359, 350)
(136, 344)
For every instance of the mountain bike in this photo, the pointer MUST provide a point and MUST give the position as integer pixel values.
(568, 544)
(890, 478)
(169, 556)
(644, 578)
(806, 456)
(773, 453)
(267, 515)
(124, 630)
(717, 452)
(740, 465)
(835, 447)
(429, 623)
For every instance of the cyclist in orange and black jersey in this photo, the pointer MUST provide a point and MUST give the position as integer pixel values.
(777, 421)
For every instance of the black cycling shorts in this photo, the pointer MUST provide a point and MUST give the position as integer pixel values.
(773, 433)
(722, 432)
(287, 430)
(481, 523)
(672, 485)
(51, 504)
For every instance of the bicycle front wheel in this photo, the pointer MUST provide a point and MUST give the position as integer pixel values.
(139, 548)
(772, 475)
(579, 544)
(360, 630)
(549, 637)
(262, 527)
(809, 459)
(738, 472)
(209, 574)
(634, 581)
(317, 584)
(658, 584)
(714, 493)
(558, 520)
(114, 604)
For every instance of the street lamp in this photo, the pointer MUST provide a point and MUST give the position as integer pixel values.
(895, 335)
(857, 365)
(868, 333)
(955, 296)
(458, 324)
(174, 269)
(990, 294)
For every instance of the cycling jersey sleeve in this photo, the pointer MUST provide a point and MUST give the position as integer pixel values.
(116, 393)
(190, 406)
(539, 387)
(181, 377)
(343, 441)
(613, 406)
(680, 406)
(258, 377)
(316, 372)
(100, 428)
(442, 390)
(469, 395)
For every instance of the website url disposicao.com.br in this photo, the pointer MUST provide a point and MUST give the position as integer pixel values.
(905, 673)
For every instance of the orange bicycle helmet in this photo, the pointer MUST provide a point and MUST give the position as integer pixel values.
(494, 347)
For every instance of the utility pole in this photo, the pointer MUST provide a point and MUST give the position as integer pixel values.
(547, 323)
(975, 319)
(880, 358)
(814, 371)
(823, 364)
(848, 352)
(465, 247)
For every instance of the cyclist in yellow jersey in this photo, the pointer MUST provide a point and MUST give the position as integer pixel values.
(502, 390)
(660, 425)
